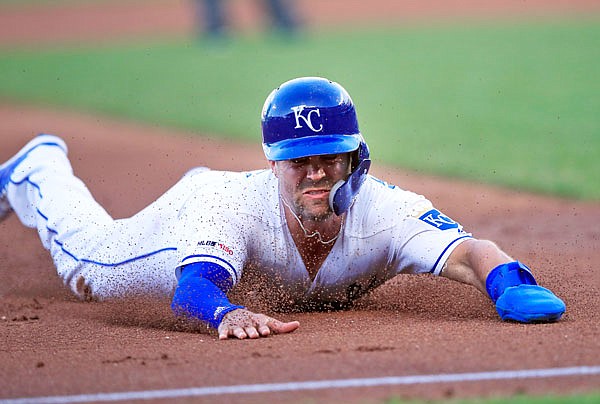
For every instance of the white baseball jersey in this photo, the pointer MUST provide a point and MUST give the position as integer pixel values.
(233, 219)
(236, 220)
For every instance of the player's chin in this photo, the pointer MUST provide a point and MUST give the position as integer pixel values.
(312, 208)
(318, 212)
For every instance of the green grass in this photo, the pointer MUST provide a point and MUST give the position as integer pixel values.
(510, 104)
(593, 398)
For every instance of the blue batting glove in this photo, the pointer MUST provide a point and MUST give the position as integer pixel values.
(529, 304)
(518, 297)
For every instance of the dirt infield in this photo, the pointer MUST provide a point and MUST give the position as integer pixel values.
(52, 344)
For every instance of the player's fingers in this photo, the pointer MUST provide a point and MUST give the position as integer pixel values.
(279, 327)
(227, 332)
(224, 331)
(239, 333)
(264, 330)
(251, 332)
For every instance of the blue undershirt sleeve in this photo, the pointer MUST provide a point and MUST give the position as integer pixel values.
(201, 293)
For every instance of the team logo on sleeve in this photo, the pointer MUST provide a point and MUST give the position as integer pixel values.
(435, 218)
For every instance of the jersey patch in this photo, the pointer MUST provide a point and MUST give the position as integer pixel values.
(210, 243)
(437, 219)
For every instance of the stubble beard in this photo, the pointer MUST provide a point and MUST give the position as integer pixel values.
(318, 213)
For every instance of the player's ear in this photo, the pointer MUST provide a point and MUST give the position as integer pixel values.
(273, 165)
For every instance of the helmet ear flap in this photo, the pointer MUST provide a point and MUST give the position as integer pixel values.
(358, 155)
(343, 193)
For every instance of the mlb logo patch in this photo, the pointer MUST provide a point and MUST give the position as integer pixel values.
(437, 219)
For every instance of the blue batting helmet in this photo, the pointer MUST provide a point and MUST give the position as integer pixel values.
(312, 116)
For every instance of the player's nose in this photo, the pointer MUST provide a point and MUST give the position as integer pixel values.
(315, 171)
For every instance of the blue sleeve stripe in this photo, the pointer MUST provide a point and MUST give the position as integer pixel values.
(26, 179)
(112, 264)
(444, 252)
(212, 258)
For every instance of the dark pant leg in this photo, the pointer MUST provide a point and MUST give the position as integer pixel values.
(210, 13)
(282, 14)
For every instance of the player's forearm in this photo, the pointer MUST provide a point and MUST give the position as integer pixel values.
(198, 297)
(472, 261)
(483, 256)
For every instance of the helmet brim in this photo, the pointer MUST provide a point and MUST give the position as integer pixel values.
(311, 146)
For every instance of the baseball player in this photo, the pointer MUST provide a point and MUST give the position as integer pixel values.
(315, 225)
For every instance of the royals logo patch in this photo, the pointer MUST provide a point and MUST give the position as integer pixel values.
(436, 219)
(304, 116)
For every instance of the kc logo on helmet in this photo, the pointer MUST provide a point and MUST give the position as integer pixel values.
(307, 118)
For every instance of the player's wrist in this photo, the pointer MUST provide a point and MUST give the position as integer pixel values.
(200, 295)
(221, 312)
(507, 275)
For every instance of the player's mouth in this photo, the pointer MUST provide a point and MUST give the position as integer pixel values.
(318, 193)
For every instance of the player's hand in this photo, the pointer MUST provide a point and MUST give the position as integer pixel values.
(242, 323)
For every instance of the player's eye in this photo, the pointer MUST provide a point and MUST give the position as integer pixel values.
(299, 161)
(331, 157)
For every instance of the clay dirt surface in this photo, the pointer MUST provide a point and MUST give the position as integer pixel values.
(53, 344)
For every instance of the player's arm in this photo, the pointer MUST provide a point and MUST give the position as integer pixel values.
(472, 260)
(201, 293)
(508, 283)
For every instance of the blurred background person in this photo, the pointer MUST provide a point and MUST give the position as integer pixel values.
(212, 22)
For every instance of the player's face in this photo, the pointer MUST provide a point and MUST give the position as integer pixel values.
(305, 183)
